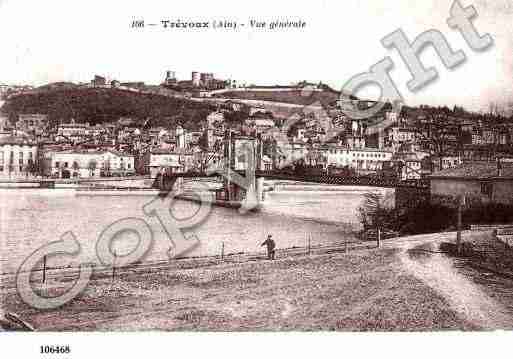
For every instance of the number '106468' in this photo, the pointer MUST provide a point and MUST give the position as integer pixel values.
(55, 349)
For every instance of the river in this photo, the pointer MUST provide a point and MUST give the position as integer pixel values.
(31, 218)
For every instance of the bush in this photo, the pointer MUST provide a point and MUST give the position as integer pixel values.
(425, 218)
(488, 213)
(374, 213)
(429, 217)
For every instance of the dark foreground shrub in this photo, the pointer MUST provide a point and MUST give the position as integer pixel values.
(425, 218)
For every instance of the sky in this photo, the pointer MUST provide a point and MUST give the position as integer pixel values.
(68, 40)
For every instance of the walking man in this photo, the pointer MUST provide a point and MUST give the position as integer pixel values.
(270, 247)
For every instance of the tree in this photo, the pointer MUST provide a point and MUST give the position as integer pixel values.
(27, 169)
(373, 213)
(75, 166)
(61, 169)
(41, 167)
(203, 141)
(32, 167)
(235, 118)
(92, 166)
(106, 167)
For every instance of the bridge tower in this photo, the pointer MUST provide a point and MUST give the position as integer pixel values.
(243, 155)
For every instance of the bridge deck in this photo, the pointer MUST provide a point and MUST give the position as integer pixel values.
(325, 179)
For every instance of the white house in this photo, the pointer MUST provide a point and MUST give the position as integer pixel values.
(169, 161)
(411, 164)
(84, 164)
(72, 130)
(367, 159)
(32, 123)
(18, 155)
(214, 117)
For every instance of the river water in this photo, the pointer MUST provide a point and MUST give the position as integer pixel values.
(31, 218)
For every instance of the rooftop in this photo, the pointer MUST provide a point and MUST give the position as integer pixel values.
(15, 140)
(73, 125)
(96, 152)
(476, 170)
(176, 151)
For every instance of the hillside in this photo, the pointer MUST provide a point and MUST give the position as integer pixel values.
(57, 86)
(98, 105)
(293, 96)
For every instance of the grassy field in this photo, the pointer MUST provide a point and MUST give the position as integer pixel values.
(297, 97)
(364, 290)
(490, 266)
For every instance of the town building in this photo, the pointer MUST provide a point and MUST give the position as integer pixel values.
(170, 78)
(477, 138)
(234, 105)
(255, 109)
(482, 181)
(18, 156)
(180, 137)
(4, 124)
(448, 162)
(164, 161)
(488, 136)
(205, 159)
(364, 159)
(286, 154)
(133, 85)
(85, 164)
(259, 125)
(396, 136)
(191, 138)
(95, 131)
(72, 130)
(355, 136)
(411, 164)
(201, 83)
(215, 117)
(99, 81)
(33, 124)
(299, 134)
(356, 141)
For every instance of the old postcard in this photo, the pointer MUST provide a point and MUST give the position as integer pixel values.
(254, 166)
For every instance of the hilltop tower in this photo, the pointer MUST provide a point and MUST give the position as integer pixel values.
(170, 78)
(195, 79)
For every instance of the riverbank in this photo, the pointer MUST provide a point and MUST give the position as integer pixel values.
(406, 285)
(364, 289)
(58, 183)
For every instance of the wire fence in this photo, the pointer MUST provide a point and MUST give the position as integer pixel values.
(224, 247)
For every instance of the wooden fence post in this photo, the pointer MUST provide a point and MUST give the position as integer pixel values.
(114, 266)
(44, 269)
(461, 202)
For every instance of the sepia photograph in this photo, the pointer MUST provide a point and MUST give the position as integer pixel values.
(275, 168)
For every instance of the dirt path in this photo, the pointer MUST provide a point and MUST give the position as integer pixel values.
(437, 271)
(390, 289)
